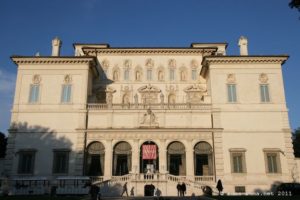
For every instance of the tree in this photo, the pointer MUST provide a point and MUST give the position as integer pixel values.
(3, 143)
(295, 4)
(296, 142)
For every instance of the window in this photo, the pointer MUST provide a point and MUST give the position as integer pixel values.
(172, 74)
(238, 163)
(26, 162)
(194, 74)
(34, 93)
(126, 74)
(60, 161)
(240, 189)
(231, 89)
(272, 162)
(66, 93)
(149, 74)
(264, 93)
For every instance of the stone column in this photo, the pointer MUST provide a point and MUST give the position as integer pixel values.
(162, 157)
(108, 160)
(189, 160)
(135, 157)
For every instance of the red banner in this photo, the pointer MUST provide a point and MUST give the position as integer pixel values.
(149, 152)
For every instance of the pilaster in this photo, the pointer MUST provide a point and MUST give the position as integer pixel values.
(108, 160)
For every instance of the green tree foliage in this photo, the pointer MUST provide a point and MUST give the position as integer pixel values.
(295, 4)
(3, 143)
(296, 142)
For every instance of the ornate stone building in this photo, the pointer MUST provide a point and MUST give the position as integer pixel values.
(152, 116)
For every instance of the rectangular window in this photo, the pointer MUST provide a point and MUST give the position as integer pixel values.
(66, 93)
(264, 93)
(240, 189)
(26, 162)
(272, 162)
(172, 74)
(238, 163)
(126, 75)
(194, 74)
(149, 74)
(34, 93)
(60, 161)
(231, 89)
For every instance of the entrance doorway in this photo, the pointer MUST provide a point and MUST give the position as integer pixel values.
(149, 160)
(149, 190)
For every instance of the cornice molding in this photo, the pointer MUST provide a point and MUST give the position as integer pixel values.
(273, 59)
(244, 59)
(95, 51)
(53, 60)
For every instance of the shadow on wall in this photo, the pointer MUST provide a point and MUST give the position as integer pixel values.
(108, 189)
(43, 141)
(266, 192)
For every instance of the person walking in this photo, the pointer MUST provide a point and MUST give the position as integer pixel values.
(219, 186)
(178, 189)
(183, 189)
(125, 189)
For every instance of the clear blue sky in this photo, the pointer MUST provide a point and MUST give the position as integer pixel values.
(28, 26)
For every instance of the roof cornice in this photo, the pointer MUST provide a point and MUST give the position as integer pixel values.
(275, 59)
(53, 60)
(90, 51)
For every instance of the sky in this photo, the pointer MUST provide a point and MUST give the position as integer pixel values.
(27, 27)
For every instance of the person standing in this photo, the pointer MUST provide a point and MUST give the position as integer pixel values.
(125, 189)
(183, 189)
(219, 186)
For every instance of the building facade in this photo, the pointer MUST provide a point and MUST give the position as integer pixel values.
(152, 116)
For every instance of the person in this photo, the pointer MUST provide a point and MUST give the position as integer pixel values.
(132, 191)
(183, 189)
(219, 186)
(125, 189)
(178, 189)
(94, 190)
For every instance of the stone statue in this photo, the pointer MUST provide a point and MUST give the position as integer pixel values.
(138, 75)
(109, 98)
(182, 75)
(116, 75)
(136, 99)
(149, 118)
(160, 76)
(162, 97)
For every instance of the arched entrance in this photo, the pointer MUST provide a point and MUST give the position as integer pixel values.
(203, 159)
(121, 159)
(149, 161)
(176, 159)
(95, 159)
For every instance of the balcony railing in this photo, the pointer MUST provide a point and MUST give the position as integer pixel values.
(176, 106)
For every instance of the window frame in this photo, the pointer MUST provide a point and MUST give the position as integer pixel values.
(63, 95)
(264, 98)
(172, 74)
(149, 74)
(242, 154)
(126, 75)
(230, 97)
(54, 161)
(278, 161)
(37, 99)
(21, 154)
(194, 74)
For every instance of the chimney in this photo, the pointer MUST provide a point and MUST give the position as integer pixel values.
(243, 44)
(56, 44)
